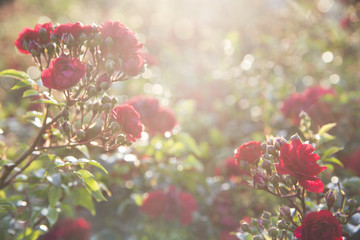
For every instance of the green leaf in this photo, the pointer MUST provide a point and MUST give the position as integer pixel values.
(189, 142)
(84, 150)
(30, 92)
(331, 151)
(91, 185)
(15, 74)
(335, 161)
(54, 196)
(52, 216)
(74, 160)
(5, 205)
(325, 128)
(82, 198)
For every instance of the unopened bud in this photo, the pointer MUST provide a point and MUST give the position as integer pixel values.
(103, 81)
(352, 204)
(295, 136)
(265, 222)
(266, 164)
(330, 198)
(54, 38)
(278, 144)
(272, 150)
(264, 147)
(82, 37)
(245, 227)
(114, 101)
(65, 114)
(66, 128)
(273, 232)
(260, 181)
(285, 212)
(91, 91)
(282, 225)
(275, 179)
(68, 39)
(110, 66)
(80, 134)
(121, 139)
(106, 107)
(43, 34)
(266, 215)
(254, 222)
(50, 48)
(105, 99)
(34, 48)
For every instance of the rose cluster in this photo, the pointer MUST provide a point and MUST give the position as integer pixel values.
(65, 51)
(170, 205)
(309, 101)
(156, 118)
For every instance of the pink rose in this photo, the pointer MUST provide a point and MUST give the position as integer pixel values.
(249, 152)
(298, 160)
(133, 65)
(63, 73)
(320, 225)
(129, 120)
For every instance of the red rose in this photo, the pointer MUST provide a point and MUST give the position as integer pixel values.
(25, 37)
(153, 204)
(39, 35)
(133, 65)
(129, 120)
(320, 225)
(63, 73)
(298, 160)
(292, 107)
(170, 205)
(310, 102)
(78, 229)
(250, 152)
(123, 41)
(352, 162)
(44, 31)
(162, 121)
(145, 105)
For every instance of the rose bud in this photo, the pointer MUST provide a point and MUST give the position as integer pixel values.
(275, 179)
(91, 90)
(330, 198)
(352, 203)
(260, 181)
(110, 66)
(103, 82)
(266, 215)
(285, 212)
(273, 232)
(245, 227)
(283, 225)
(80, 134)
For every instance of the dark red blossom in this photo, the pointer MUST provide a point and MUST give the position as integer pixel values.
(170, 205)
(71, 229)
(320, 225)
(352, 162)
(309, 101)
(63, 73)
(162, 121)
(249, 152)
(120, 40)
(298, 160)
(155, 118)
(129, 120)
(229, 168)
(133, 64)
(39, 35)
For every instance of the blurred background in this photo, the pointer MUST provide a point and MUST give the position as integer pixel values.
(225, 68)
